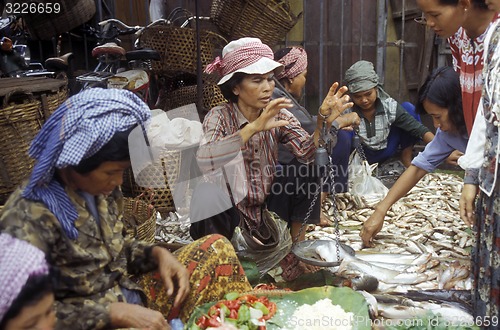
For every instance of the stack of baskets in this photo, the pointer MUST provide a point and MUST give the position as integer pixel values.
(179, 56)
(26, 104)
(269, 20)
(177, 71)
(182, 90)
(177, 47)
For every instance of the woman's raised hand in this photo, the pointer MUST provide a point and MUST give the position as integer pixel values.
(335, 102)
(267, 119)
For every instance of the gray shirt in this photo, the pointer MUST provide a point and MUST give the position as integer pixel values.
(308, 123)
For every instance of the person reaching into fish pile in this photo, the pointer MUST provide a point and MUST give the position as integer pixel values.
(253, 124)
(385, 125)
(71, 208)
(482, 175)
(26, 298)
(440, 97)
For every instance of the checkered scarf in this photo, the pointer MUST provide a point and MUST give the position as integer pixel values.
(18, 261)
(295, 62)
(79, 128)
(240, 58)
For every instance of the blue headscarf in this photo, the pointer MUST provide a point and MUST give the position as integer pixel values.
(79, 128)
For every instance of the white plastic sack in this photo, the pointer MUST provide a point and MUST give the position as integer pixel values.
(362, 182)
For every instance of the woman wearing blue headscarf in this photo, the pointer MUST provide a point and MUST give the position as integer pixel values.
(71, 208)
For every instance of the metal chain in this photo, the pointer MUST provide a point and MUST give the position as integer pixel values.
(323, 140)
(308, 214)
(335, 213)
(358, 146)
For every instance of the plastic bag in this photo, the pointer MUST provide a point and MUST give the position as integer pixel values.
(362, 182)
(265, 259)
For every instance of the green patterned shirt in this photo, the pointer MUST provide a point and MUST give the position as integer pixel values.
(89, 270)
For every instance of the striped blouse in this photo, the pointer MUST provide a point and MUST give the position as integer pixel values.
(260, 153)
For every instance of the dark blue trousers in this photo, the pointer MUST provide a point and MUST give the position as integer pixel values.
(340, 153)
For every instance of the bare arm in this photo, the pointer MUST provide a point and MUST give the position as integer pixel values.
(403, 185)
(427, 137)
(467, 203)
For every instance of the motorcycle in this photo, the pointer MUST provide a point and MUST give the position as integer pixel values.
(15, 56)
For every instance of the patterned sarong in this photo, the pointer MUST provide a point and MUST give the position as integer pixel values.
(214, 270)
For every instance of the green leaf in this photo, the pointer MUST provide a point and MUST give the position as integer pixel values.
(260, 306)
(287, 303)
(348, 299)
(243, 314)
(231, 295)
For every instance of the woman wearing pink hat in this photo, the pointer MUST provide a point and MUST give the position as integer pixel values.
(26, 294)
(252, 124)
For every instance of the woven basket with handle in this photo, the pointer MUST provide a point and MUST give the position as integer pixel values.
(139, 219)
(26, 104)
(158, 175)
(269, 20)
(44, 25)
(212, 96)
(177, 47)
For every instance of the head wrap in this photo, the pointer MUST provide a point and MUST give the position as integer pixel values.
(295, 62)
(247, 55)
(18, 261)
(79, 128)
(361, 76)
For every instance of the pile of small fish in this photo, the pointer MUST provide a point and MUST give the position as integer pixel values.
(173, 228)
(424, 225)
(424, 245)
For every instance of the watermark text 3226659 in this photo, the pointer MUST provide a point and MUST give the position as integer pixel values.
(19, 8)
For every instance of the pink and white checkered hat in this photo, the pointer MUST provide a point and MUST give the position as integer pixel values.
(18, 261)
(247, 55)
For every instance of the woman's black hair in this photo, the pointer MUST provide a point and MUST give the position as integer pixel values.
(481, 4)
(442, 87)
(35, 289)
(227, 87)
(115, 150)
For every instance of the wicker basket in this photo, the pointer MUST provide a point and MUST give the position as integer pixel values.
(212, 97)
(26, 105)
(177, 47)
(158, 175)
(139, 219)
(72, 13)
(269, 20)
